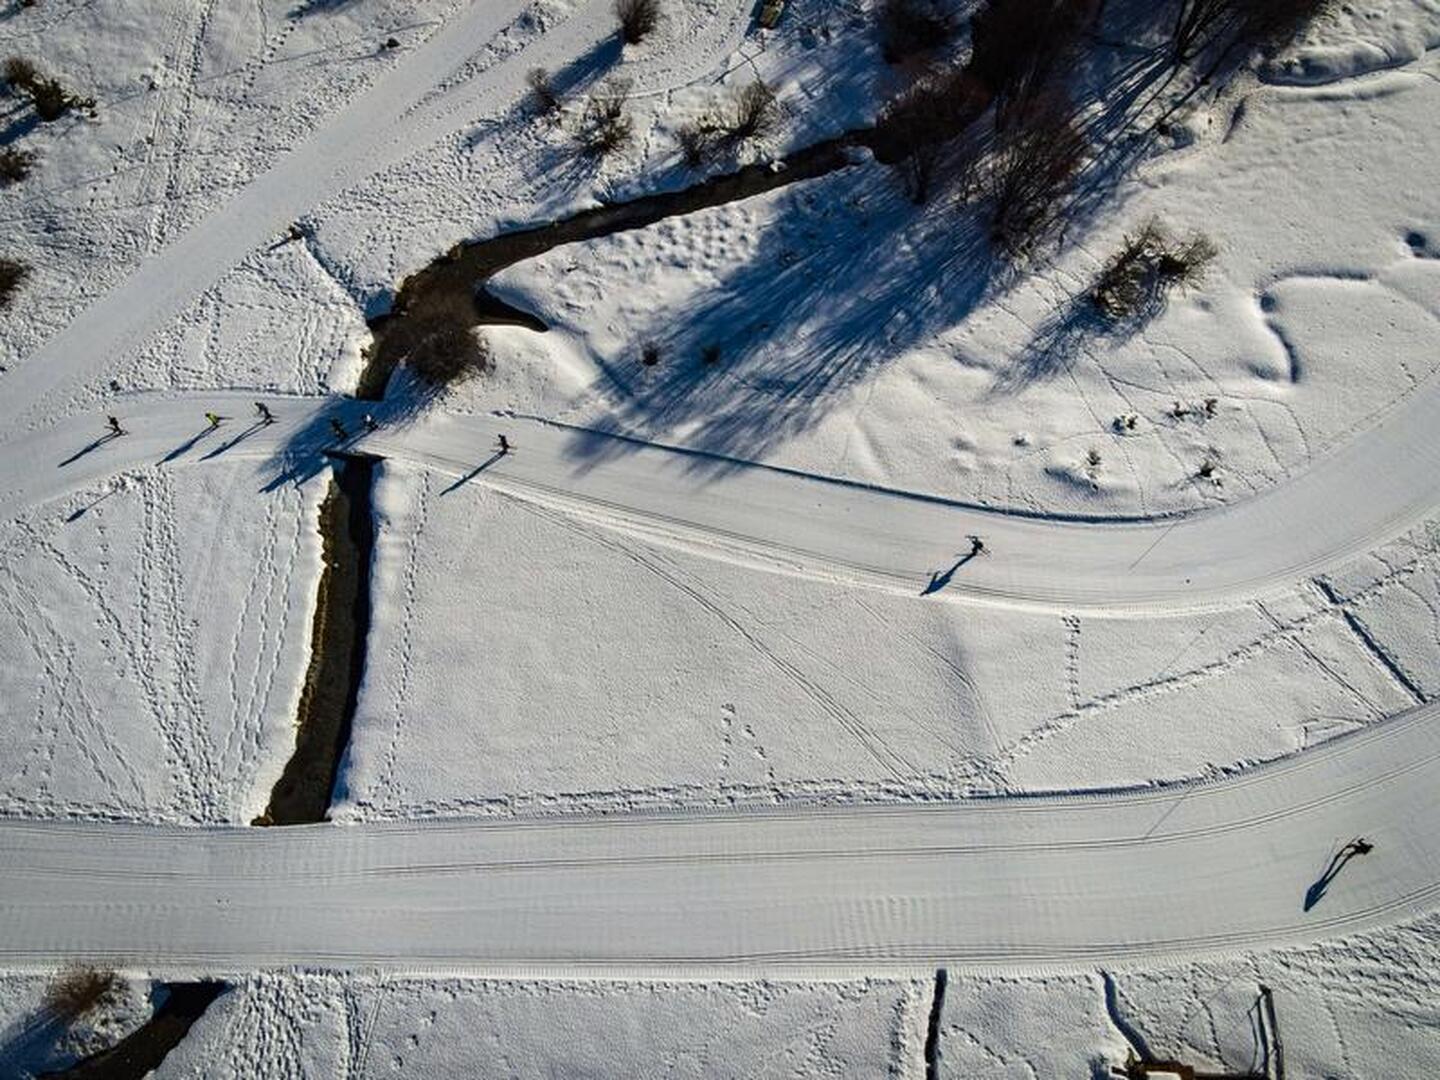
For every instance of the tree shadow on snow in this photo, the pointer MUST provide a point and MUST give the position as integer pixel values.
(848, 276)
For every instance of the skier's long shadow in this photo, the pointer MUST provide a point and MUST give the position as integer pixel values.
(256, 426)
(81, 511)
(476, 471)
(1316, 892)
(939, 579)
(185, 447)
(101, 441)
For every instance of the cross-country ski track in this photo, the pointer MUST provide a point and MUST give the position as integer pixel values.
(1007, 883)
(1363, 493)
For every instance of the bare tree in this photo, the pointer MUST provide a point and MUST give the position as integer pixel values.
(929, 112)
(917, 172)
(1230, 24)
(1030, 172)
(638, 19)
(911, 27)
(1020, 46)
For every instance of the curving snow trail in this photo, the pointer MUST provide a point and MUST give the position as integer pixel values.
(1014, 883)
(1363, 493)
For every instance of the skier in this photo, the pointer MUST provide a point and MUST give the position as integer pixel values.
(339, 429)
(977, 546)
(504, 445)
(1361, 846)
(114, 424)
(214, 420)
(371, 424)
(266, 416)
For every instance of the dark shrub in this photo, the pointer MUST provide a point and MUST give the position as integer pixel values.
(1137, 277)
(698, 141)
(20, 73)
(755, 113)
(446, 353)
(15, 165)
(12, 276)
(1030, 172)
(80, 991)
(547, 101)
(52, 101)
(604, 126)
(638, 19)
(911, 27)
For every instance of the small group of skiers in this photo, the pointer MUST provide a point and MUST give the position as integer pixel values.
(265, 417)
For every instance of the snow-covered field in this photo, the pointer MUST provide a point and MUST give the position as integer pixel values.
(602, 627)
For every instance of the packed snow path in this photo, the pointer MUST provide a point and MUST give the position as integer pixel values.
(1006, 882)
(1363, 493)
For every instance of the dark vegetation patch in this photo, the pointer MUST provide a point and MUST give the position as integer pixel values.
(49, 97)
(911, 28)
(12, 276)
(80, 991)
(638, 19)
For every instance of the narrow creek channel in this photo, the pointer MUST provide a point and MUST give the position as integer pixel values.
(337, 649)
(142, 1051)
(932, 1031)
